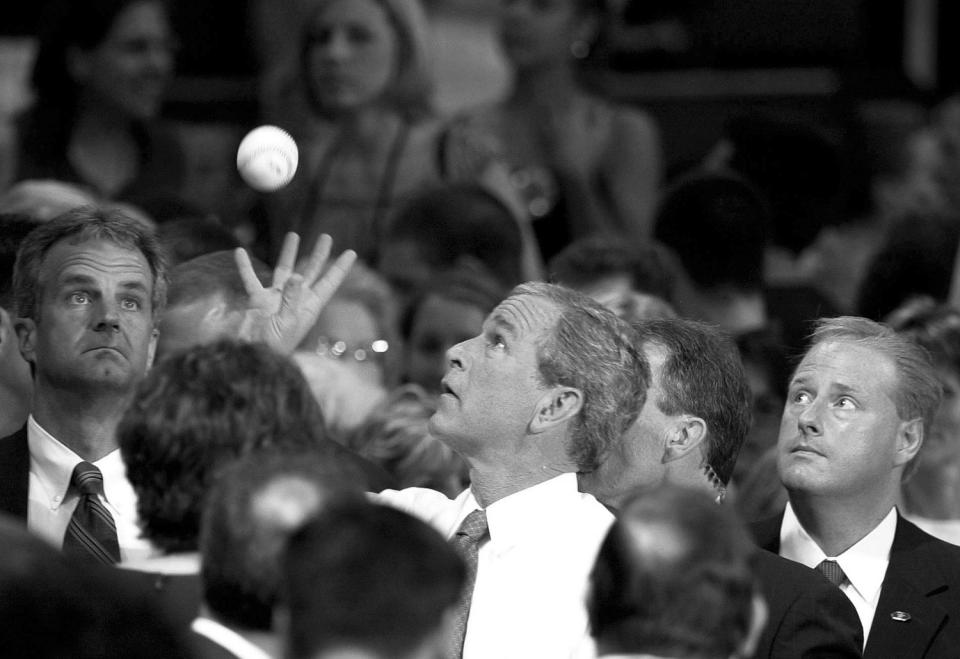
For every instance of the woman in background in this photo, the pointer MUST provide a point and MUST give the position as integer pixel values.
(583, 165)
(100, 75)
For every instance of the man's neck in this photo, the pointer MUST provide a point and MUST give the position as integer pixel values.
(492, 483)
(85, 424)
(836, 524)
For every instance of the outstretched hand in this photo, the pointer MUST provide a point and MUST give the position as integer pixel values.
(281, 315)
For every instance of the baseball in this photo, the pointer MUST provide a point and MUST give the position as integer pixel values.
(267, 158)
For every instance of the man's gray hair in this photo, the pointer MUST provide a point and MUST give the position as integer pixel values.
(591, 350)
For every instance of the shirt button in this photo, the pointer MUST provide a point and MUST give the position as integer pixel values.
(56, 499)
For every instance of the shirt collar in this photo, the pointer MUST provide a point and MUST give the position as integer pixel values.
(864, 563)
(227, 638)
(54, 462)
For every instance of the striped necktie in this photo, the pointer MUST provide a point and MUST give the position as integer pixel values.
(91, 532)
(467, 540)
(832, 571)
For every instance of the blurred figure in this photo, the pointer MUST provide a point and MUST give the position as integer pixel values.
(254, 505)
(931, 496)
(16, 384)
(633, 281)
(359, 327)
(369, 582)
(438, 228)
(356, 99)
(581, 164)
(99, 78)
(673, 579)
(43, 200)
(52, 607)
(450, 310)
(207, 301)
(717, 223)
(396, 436)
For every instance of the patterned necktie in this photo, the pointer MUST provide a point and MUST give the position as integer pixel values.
(832, 571)
(91, 532)
(467, 540)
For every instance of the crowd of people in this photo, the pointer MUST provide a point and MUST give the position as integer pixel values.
(482, 385)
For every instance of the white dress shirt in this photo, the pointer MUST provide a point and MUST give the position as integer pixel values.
(51, 501)
(531, 585)
(227, 638)
(865, 563)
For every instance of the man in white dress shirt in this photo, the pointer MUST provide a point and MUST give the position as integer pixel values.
(856, 412)
(539, 395)
(89, 286)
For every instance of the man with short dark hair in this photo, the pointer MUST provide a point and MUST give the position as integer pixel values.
(857, 410)
(689, 431)
(369, 582)
(673, 579)
(89, 287)
(539, 395)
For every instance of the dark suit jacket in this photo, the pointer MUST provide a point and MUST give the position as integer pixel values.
(15, 474)
(809, 617)
(922, 580)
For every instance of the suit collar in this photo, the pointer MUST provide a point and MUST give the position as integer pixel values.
(15, 474)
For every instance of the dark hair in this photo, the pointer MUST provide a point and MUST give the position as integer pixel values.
(591, 350)
(369, 576)
(717, 225)
(213, 274)
(79, 225)
(198, 409)
(13, 229)
(934, 326)
(66, 24)
(53, 607)
(915, 258)
(254, 505)
(591, 259)
(672, 578)
(703, 376)
(456, 220)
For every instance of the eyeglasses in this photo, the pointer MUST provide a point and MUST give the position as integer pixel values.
(338, 349)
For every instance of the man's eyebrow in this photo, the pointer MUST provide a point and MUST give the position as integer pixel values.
(844, 388)
(500, 320)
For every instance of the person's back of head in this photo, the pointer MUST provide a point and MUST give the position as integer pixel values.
(52, 607)
(369, 579)
(195, 411)
(441, 225)
(717, 224)
(673, 579)
(254, 505)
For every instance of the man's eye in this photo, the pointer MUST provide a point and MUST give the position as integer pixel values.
(801, 397)
(845, 403)
(79, 298)
(130, 304)
(496, 341)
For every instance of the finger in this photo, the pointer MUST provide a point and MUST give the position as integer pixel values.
(333, 277)
(251, 283)
(318, 258)
(288, 256)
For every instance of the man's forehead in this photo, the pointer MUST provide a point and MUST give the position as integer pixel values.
(847, 364)
(525, 313)
(66, 256)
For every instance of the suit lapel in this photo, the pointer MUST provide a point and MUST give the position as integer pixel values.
(15, 474)
(766, 533)
(908, 586)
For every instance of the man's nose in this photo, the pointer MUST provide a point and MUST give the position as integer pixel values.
(809, 419)
(456, 356)
(107, 316)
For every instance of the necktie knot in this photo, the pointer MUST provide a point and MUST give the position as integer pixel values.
(474, 525)
(87, 479)
(832, 571)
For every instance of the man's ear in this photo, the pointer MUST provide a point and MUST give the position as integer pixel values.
(27, 336)
(555, 407)
(909, 440)
(687, 434)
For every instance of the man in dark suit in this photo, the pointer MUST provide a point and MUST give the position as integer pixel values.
(689, 431)
(88, 286)
(857, 409)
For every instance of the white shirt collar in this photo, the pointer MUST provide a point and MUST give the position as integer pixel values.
(227, 638)
(54, 463)
(864, 563)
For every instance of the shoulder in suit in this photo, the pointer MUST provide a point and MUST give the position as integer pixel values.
(15, 474)
(808, 616)
(918, 614)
